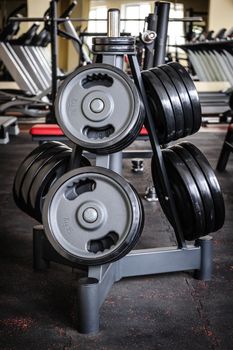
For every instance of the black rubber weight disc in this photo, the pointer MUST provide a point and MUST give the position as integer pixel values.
(160, 107)
(174, 99)
(159, 191)
(184, 97)
(27, 162)
(202, 186)
(124, 40)
(191, 89)
(45, 178)
(23, 169)
(35, 168)
(186, 195)
(212, 182)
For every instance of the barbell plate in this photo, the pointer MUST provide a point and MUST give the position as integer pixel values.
(212, 182)
(23, 169)
(202, 186)
(113, 48)
(174, 99)
(123, 40)
(25, 165)
(187, 198)
(184, 98)
(83, 222)
(191, 89)
(99, 108)
(48, 174)
(46, 177)
(35, 168)
(161, 107)
(180, 172)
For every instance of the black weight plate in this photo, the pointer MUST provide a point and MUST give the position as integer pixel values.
(186, 195)
(174, 99)
(122, 40)
(192, 93)
(202, 186)
(184, 97)
(161, 107)
(46, 177)
(159, 191)
(35, 168)
(179, 175)
(48, 174)
(113, 48)
(27, 162)
(212, 182)
(23, 169)
(131, 136)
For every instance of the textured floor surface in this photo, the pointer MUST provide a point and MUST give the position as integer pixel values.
(167, 311)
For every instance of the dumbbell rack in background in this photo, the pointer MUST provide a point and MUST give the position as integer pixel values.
(93, 289)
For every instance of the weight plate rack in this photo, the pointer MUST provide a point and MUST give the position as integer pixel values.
(79, 228)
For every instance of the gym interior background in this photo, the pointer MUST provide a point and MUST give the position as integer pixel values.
(116, 135)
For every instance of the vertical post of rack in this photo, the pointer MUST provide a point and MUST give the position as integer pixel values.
(53, 28)
(149, 49)
(162, 11)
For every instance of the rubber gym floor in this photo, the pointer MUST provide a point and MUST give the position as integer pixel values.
(166, 311)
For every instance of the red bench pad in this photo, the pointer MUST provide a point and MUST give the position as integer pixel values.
(55, 130)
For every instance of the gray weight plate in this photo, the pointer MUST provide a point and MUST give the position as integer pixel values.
(92, 216)
(98, 107)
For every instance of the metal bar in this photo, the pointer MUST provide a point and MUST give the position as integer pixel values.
(77, 44)
(41, 19)
(113, 23)
(157, 260)
(54, 52)
(149, 49)
(162, 10)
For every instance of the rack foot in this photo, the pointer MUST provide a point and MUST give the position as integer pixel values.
(206, 264)
(88, 305)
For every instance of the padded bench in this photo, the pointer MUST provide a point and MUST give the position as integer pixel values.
(8, 126)
(52, 132)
